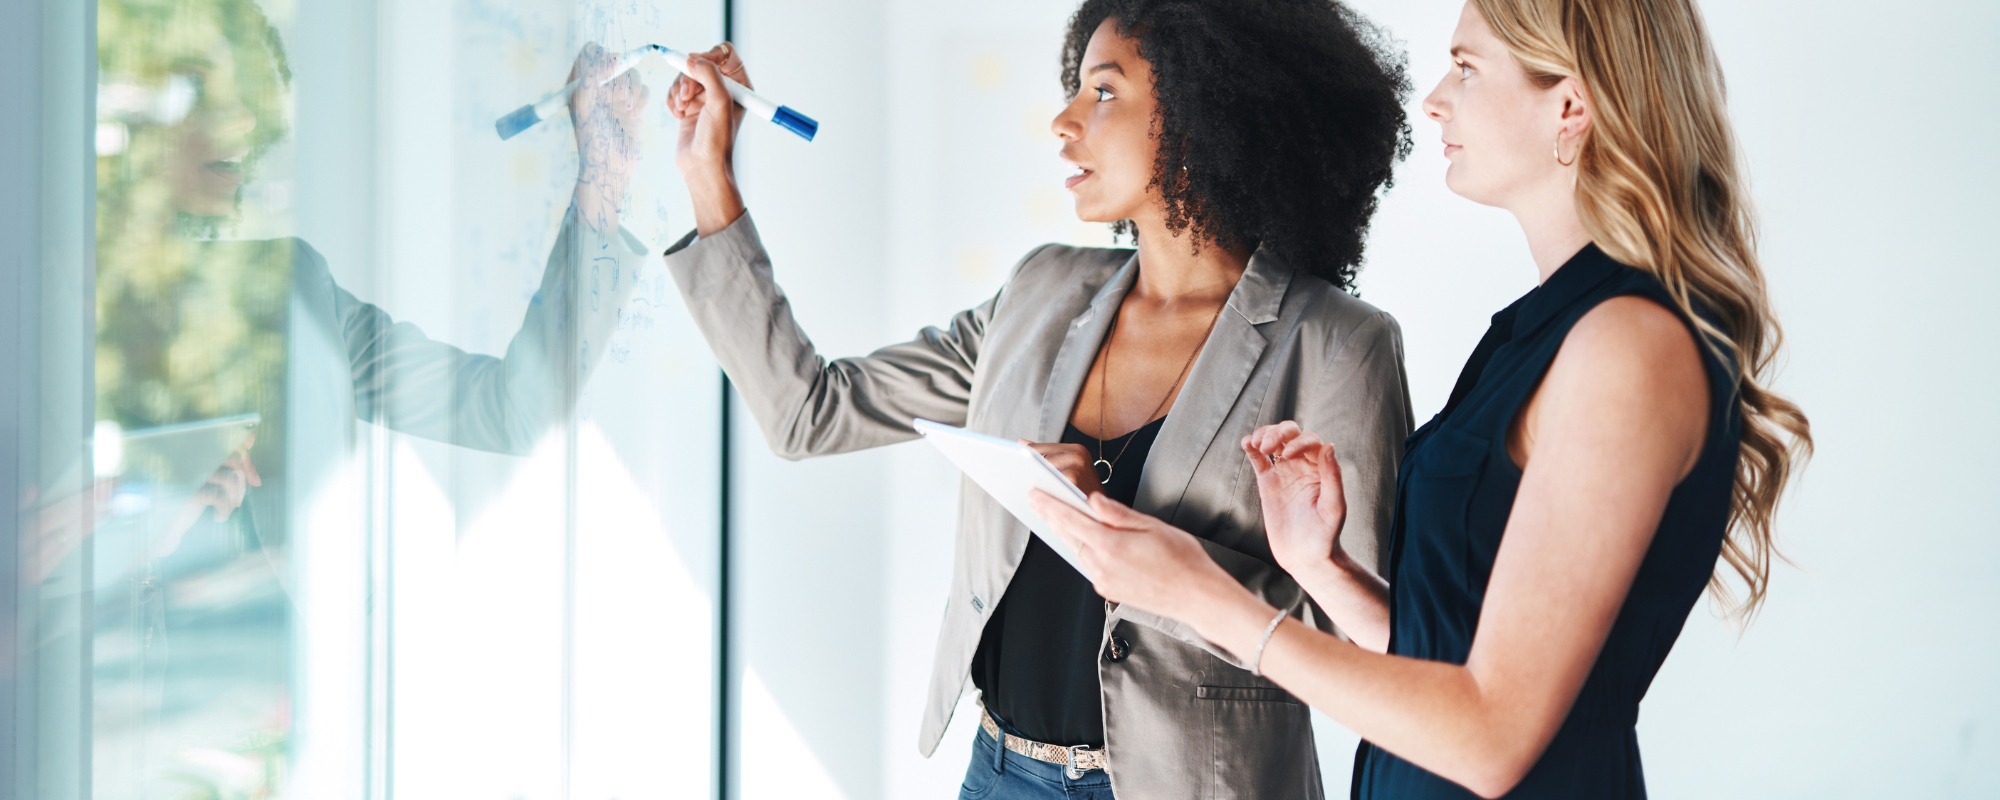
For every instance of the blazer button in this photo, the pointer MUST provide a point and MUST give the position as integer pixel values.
(1117, 649)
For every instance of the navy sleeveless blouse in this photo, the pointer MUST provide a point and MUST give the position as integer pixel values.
(1454, 492)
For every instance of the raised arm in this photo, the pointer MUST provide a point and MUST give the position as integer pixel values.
(806, 404)
(411, 383)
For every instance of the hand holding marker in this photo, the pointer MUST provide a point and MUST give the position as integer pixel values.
(527, 116)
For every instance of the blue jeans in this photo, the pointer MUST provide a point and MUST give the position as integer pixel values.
(1000, 774)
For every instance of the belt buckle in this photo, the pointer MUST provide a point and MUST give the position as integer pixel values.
(1070, 768)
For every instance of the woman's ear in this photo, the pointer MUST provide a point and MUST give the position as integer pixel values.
(1576, 114)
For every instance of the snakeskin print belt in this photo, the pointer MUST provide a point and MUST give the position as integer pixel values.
(1074, 760)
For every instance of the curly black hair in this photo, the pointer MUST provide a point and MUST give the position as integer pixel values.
(1287, 114)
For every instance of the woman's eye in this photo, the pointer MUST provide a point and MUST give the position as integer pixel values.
(1104, 94)
(1464, 71)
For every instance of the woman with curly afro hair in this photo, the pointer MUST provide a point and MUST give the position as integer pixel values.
(1242, 144)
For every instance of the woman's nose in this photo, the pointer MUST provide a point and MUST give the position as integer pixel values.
(241, 123)
(1434, 105)
(230, 121)
(1065, 127)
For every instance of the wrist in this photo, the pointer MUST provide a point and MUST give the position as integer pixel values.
(1234, 619)
(717, 203)
(594, 206)
(1317, 572)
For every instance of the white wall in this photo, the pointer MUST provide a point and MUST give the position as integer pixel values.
(809, 551)
(1867, 132)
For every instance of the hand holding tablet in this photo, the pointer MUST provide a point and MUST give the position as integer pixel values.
(1007, 470)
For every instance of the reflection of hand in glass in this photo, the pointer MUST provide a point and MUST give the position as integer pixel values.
(55, 528)
(608, 136)
(225, 489)
(221, 496)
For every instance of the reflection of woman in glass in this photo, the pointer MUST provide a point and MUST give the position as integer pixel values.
(1243, 143)
(195, 326)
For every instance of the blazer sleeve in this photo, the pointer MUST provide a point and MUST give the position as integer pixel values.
(409, 382)
(806, 404)
(1362, 407)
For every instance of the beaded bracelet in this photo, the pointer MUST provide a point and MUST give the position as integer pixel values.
(1258, 661)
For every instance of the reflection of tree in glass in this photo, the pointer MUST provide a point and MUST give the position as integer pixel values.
(190, 327)
(194, 326)
(193, 93)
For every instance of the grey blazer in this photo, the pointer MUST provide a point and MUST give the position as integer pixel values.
(1182, 717)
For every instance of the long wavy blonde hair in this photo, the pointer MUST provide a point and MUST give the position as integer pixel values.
(1659, 187)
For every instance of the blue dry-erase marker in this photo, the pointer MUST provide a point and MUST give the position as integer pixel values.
(527, 116)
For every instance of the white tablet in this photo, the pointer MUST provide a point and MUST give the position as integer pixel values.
(180, 458)
(1007, 470)
(159, 471)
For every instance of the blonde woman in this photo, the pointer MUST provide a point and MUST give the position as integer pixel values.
(1609, 439)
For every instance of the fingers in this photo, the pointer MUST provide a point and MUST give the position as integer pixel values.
(626, 94)
(1073, 461)
(1272, 438)
(1259, 463)
(1268, 439)
(242, 473)
(229, 485)
(591, 53)
(1116, 514)
(1329, 475)
(593, 72)
(710, 79)
(592, 69)
(729, 62)
(226, 488)
(718, 111)
(1304, 445)
(681, 95)
(1057, 450)
(242, 461)
(689, 94)
(223, 494)
(1074, 525)
(1271, 444)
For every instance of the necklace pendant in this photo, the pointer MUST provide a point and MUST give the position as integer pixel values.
(1103, 468)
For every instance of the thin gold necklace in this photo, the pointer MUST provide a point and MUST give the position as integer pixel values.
(1106, 468)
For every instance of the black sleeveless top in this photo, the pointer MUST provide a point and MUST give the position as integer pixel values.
(1453, 495)
(1036, 666)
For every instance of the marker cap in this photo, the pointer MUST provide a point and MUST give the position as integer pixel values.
(795, 122)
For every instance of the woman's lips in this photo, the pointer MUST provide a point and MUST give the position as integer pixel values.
(229, 170)
(1452, 148)
(1077, 178)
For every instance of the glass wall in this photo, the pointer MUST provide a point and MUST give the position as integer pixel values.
(372, 454)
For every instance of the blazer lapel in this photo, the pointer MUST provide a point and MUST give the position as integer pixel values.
(1079, 351)
(1219, 375)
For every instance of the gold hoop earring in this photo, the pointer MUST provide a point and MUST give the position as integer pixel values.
(1559, 153)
